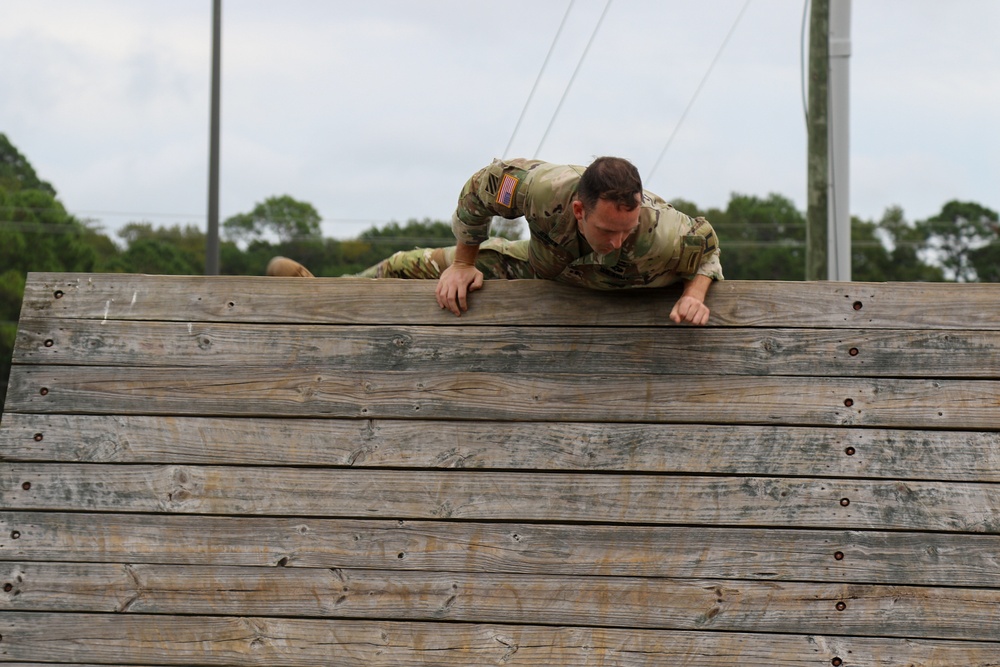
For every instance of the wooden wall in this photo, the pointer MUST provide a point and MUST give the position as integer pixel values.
(262, 471)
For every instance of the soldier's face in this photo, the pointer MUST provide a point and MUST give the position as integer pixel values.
(607, 225)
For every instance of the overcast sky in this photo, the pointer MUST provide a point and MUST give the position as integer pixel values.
(378, 110)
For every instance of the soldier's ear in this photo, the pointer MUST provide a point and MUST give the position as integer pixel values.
(578, 209)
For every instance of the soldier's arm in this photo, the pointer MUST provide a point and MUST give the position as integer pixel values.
(497, 189)
(493, 190)
(701, 246)
(459, 279)
(691, 306)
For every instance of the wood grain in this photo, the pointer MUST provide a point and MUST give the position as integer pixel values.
(276, 392)
(514, 302)
(514, 349)
(832, 556)
(505, 496)
(679, 448)
(259, 471)
(183, 640)
(656, 603)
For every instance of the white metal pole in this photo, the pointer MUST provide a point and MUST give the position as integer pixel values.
(839, 199)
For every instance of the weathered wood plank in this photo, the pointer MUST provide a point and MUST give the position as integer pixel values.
(655, 603)
(666, 350)
(938, 404)
(204, 640)
(681, 448)
(832, 556)
(504, 496)
(360, 301)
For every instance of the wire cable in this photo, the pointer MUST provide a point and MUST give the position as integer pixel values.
(573, 77)
(732, 29)
(538, 78)
(802, 61)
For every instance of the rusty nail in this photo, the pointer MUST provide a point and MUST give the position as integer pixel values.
(8, 587)
(14, 534)
(844, 502)
(858, 305)
(58, 294)
(836, 662)
(841, 606)
(38, 437)
(850, 451)
(49, 342)
(853, 351)
(848, 402)
(839, 555)
(26, 486)
(43, 391)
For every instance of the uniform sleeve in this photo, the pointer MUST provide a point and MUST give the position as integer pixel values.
(701, 239)
(494, 190)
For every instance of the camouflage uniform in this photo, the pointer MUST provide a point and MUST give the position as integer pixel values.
(499, 259)
(667, 246)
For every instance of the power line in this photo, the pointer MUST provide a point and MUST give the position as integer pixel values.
(802, 60)
(708, 73)
(573, 77)
(538, 78)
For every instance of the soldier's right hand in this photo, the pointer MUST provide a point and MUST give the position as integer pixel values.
(455, 284)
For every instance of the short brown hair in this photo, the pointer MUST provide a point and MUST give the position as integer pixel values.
(612, 178)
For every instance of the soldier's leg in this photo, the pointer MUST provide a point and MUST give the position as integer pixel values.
(419, 263)
(498, 259)
(502, 259)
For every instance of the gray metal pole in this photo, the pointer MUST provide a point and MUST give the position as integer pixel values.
(839, 199)
(212, 246)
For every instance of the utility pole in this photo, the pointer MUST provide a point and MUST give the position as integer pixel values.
(828, 217)
(818, 160)
(212, 239)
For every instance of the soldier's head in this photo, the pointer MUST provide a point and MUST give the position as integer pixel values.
(607, 203)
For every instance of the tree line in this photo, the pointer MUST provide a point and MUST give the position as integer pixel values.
(762, 238)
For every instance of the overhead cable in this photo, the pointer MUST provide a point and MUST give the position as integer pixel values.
(573, 77)
(538, 78)
(708, 73)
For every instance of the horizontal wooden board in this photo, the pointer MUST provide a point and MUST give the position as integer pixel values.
(505, 496)
(517, 302)
(646, 602)
(203, 640)
(680, 448)
(539, 350)
(833, 556)
(939, 404)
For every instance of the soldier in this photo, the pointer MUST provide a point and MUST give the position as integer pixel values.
(593, 227)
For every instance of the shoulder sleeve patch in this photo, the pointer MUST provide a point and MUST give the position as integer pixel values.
(508, 186)
(492, 183)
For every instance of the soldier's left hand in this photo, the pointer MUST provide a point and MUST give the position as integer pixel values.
(691, 310)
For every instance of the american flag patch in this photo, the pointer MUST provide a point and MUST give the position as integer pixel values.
(508, 185)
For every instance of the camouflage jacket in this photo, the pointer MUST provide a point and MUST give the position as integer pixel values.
(667, 246)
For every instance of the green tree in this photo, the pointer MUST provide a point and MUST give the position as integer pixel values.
(761, 238)
(16, 173)
(986, 262)
(424, 233)
(286, 218)
(36, 234)
(172, 250)
(907, 243)
(955, 233)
